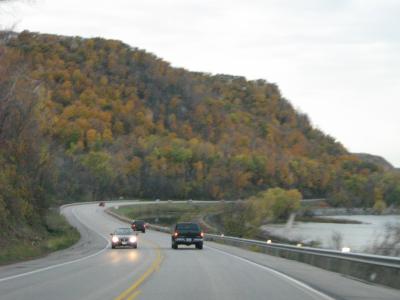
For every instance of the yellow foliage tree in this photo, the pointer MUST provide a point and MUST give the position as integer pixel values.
(107, 135)
(91, 136)
(275, 203)
(379, 205)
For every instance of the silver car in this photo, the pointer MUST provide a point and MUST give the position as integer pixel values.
(124, 237)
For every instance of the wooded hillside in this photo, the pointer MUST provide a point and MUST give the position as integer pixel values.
(89, 119)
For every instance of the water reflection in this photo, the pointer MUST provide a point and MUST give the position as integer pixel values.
(356, 236)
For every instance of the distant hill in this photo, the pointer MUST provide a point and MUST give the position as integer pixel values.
(115, 120)
(375, 159)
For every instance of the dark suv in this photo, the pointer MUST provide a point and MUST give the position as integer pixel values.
(187, 234)
(139, 225)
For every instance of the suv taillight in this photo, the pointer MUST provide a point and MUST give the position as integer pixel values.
(176, 233)
(202, 234)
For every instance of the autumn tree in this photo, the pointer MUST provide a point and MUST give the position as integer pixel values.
(379, 202)
(98, 165)
(273, 204)
(26, 170)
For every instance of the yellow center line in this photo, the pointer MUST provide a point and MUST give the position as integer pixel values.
(132, 292)
(134, 295)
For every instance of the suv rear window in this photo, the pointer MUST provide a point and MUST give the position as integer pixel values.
(139, 222)
(187, 227)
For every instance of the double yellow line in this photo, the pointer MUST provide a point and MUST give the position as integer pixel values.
(132, 292)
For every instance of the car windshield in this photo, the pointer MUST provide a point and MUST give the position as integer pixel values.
(187, 227)
(123, 231)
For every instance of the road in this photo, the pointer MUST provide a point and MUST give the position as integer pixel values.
(91, 270)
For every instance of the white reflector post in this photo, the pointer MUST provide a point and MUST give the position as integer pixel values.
(345, 249)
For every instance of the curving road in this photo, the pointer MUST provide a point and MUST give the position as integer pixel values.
(91, 270)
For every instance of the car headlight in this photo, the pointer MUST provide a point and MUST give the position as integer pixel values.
(115, 239)
(133, 239)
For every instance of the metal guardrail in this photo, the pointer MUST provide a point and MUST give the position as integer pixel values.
(367, 258)
(372, 268)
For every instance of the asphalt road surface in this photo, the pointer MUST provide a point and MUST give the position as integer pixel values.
(92, 270)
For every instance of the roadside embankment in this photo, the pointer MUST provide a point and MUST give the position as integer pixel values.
(32, 242)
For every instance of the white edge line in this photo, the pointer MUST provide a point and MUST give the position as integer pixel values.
(64, 263)
(288, 278)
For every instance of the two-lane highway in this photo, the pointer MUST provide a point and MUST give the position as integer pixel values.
(91, 270)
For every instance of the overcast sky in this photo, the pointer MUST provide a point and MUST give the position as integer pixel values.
(336, 60)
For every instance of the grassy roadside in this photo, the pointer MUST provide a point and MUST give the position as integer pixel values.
(56, 234)
(331, 220)
(167, 214)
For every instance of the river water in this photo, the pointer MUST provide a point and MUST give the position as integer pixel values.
(356, 236)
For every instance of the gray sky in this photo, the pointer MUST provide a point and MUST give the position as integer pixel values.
(336, 60)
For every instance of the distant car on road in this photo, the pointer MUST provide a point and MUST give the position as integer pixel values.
(123, 237)
(187, 234)
(139, 225)
(102, 203)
